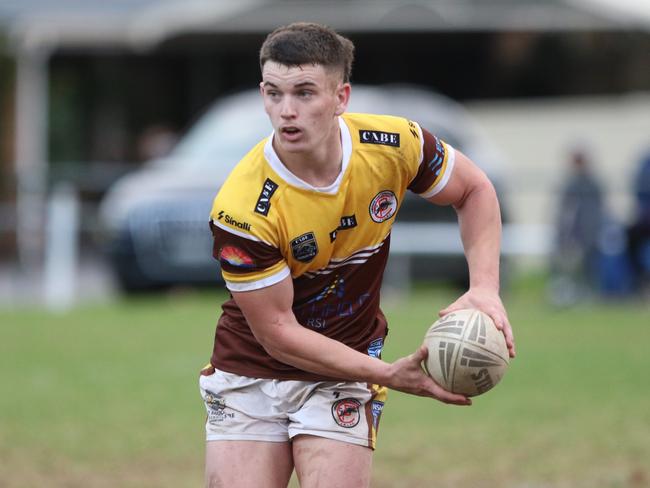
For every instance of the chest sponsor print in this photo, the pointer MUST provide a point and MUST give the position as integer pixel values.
(379, 137)
(347, 222)
(263, 204)
(383, 206)
(304, 248)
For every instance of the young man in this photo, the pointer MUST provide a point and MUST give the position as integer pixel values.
(301, 229)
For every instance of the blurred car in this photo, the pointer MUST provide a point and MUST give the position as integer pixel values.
(155, 220)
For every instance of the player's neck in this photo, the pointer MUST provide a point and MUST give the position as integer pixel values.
(320, 167)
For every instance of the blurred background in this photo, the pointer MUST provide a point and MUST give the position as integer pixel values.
(92, 91)
(119, 121)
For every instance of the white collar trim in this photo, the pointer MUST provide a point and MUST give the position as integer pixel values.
(289, 177)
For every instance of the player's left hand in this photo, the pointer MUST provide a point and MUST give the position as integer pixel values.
(489, 302)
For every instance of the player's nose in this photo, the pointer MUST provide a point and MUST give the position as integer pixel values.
(288, 108)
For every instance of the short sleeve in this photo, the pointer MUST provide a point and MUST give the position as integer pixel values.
(247, 263)
(435, 167)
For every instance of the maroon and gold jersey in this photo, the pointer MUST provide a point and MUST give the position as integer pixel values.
(333, 241)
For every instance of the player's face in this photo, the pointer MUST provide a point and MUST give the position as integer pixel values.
(303, 103)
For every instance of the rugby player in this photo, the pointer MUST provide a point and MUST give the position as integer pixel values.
(302, 229)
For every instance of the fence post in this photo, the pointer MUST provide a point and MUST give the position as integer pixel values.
(61, 247)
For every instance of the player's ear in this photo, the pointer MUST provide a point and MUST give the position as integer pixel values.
(262, 88)
(343, 91)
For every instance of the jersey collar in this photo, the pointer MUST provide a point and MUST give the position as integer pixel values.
(289, 177)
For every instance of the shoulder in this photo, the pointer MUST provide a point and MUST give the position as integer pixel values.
(386, 133)
(244, 202)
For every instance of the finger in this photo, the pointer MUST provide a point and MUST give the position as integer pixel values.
(502, 324)
(451, 398)
(421, 353)
(449, 309)
(510, 339)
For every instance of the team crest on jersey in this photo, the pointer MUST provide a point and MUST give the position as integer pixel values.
(383, 206)
(304, 247)
(346, 412)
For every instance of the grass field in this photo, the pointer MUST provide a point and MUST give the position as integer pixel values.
(106, 396)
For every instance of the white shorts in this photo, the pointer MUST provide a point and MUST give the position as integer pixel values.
(242, 408)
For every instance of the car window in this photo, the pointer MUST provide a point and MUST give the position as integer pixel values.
(224, 135)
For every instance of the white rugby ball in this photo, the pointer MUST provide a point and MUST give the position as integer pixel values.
(467, 353)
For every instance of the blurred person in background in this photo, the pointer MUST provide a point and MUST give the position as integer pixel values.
(578, 224)
(638, 235)
(301, 229)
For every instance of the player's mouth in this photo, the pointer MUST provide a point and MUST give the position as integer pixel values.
(290, 133)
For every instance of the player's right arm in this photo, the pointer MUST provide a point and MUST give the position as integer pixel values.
(269, 314)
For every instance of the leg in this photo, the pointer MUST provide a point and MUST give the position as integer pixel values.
(322, 462)
(247, 464)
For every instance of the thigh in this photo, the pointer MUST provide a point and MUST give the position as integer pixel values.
(321, 462)
(347, 412)
(247, 464)
(241, 409)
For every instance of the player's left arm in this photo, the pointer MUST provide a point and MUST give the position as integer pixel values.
(474, 198)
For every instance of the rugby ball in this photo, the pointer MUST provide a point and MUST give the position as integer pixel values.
(467, 353)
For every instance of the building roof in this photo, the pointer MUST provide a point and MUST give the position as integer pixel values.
(142, 24)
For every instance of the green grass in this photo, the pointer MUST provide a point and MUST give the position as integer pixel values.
(106, 396)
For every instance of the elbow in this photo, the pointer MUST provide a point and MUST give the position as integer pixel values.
(480, 192)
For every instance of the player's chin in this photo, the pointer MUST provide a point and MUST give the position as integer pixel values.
(296, 147)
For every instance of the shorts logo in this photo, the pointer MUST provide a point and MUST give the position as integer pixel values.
(264, 200)
(377, 408)
(378, 137)
(383, 206)
(375, 347)
(346, 412)
(216, 407)
(304, 247)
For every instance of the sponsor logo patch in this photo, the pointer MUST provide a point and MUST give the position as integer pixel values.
(346, 412)
(383, 206)
(304, 247)
(376, 408)
(378, 137)
(414, 130)
(216, 407)
(231, 221)
(375, 347)
(347, 222)
(263, 204)
(235, 256)
(435, 165)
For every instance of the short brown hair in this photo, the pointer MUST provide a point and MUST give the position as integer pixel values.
(309, 43)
